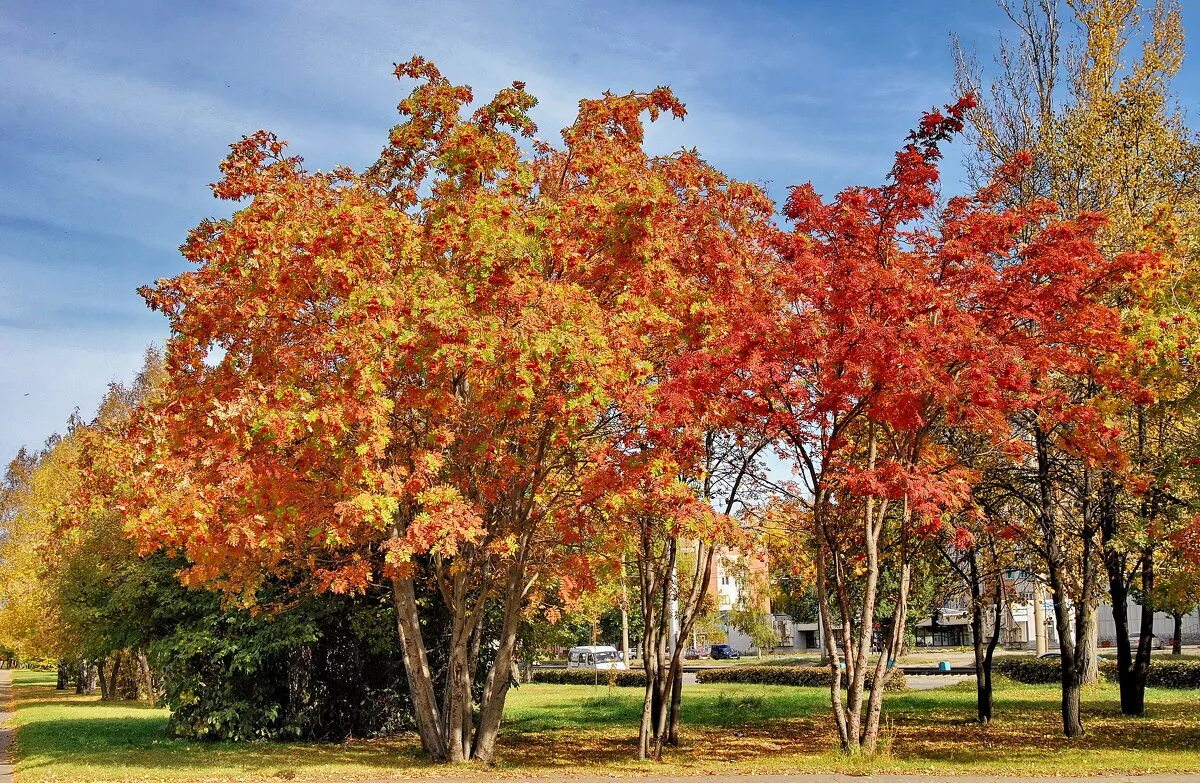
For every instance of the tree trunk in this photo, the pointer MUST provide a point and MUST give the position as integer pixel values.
(63, 675)
(888, 654)
(1039, 619)
(655, 597)
(676, 702)
(1177, 633)
(147, 679)
(1071, 676)
(495, 690)
(624, 614)
(1120, 609)
(983, 652)
(984, 673)
(416, 666)
(105, 682)
(1091, 661)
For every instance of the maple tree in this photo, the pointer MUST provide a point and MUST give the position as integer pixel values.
(418, 373)
(1109, 138)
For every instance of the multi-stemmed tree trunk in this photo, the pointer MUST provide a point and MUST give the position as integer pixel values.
(450, 724)
(976, 581)
(675, 559)
(667, 597)
(985, 651)
(980, 558)
(1073, 622)
(853, 599)
(1065, 532)
(857, 712)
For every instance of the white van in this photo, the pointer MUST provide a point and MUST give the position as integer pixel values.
(600, 656)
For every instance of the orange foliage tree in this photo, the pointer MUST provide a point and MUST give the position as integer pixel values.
(422, 373)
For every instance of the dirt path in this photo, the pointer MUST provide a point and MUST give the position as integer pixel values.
(6, 773)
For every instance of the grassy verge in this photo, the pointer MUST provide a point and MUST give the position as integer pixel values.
(563, 730)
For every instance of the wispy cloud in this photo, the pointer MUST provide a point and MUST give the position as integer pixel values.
(114, 118)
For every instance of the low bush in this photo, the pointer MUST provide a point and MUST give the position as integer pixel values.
(1170, 673)
(1164, 672)
(802, 676)
(634, 678)
(1028, 671)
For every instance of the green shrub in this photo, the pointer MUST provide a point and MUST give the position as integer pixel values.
(325, 669)
(1168, 673)
(1028, 671)
(802, 676)
(1164, 673)
(633, 678)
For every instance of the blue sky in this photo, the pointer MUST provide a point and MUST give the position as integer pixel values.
(114, 115)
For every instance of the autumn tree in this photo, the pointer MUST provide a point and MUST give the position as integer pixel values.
(899, 326)
(1176, 590)
(981, 550)
(411, 374)
(29, 624)
(1109, 138)
(676, 533)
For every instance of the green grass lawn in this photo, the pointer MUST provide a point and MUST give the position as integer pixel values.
(564, 729)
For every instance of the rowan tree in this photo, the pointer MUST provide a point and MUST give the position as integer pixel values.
(901, 322)
(411, 374)
(1109, 138)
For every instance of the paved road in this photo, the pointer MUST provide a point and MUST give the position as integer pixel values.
(915, 683)
(930, 681)
(6, 773)
(841, 779)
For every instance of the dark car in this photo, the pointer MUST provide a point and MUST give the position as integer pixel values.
(724, 652)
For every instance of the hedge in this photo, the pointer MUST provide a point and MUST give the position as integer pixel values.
(1028, 671)
(802, 676)
(1164, 673)
(1167, 673)
(634, 678)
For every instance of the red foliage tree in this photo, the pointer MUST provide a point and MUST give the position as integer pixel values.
(901, 321)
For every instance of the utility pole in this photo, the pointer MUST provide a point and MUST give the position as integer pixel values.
(1039, 618)
(624, 614)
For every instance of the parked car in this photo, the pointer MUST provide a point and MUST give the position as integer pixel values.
(695, 653)
(1155, 642)
(1057, 654)
(600, 657)
(721, 652)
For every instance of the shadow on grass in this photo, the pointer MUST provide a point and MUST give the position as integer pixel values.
(552, 727)
(63, 733)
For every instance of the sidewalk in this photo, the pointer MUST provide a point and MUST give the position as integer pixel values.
(1179, 778)
(6, 771)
